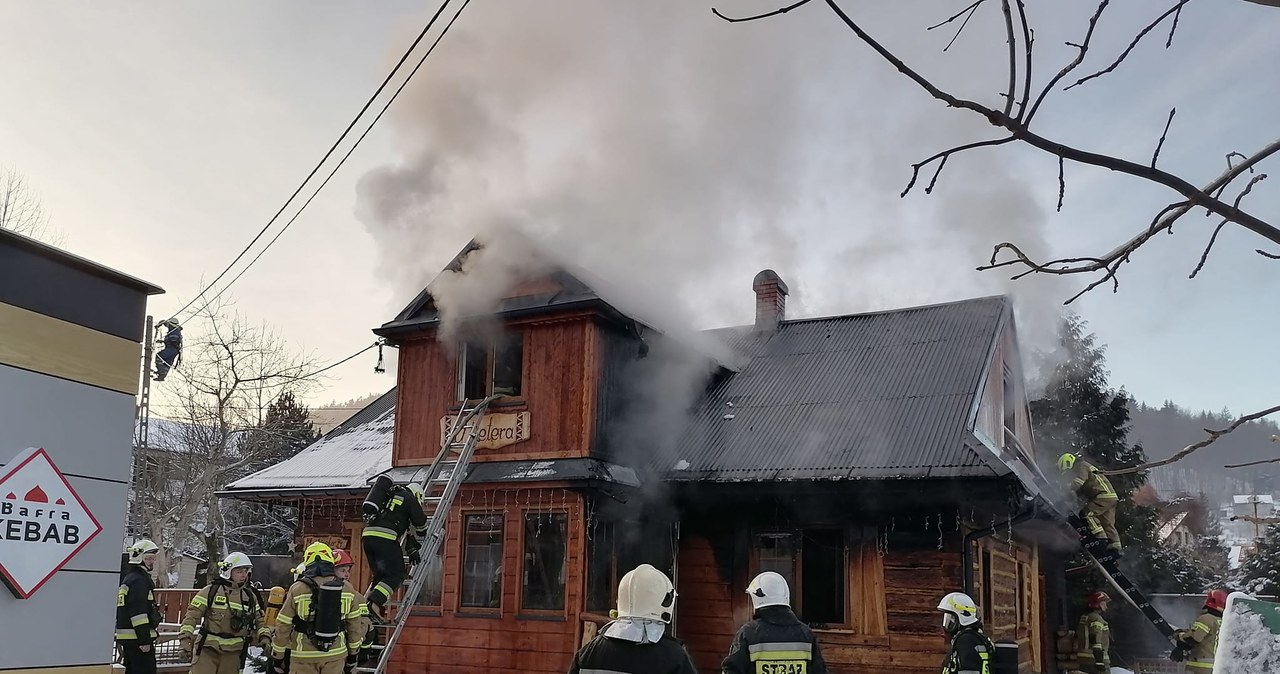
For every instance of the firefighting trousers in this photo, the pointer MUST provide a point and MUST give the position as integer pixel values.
(214, 661)
(309, 666)
(1100, 515)
(137, 662)
(386, 561)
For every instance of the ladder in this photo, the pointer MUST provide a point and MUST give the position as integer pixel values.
(446, 472)
(1106, 559)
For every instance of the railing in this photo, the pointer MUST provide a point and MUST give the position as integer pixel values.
(173, 603)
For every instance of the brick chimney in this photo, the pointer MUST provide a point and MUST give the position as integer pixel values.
(771, 300)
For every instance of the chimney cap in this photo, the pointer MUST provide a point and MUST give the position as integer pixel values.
(769, 277)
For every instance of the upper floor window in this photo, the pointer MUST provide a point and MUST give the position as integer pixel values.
(491, 368)
(1010, 400)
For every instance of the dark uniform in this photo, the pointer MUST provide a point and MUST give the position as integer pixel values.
(136, 620)
(381, 540)
(618, 656)
(775, 642)
(971, 652)
(169, 356)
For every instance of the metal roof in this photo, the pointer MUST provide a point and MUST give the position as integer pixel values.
(533, 471)
(882, 395)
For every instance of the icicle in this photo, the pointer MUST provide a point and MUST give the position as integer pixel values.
(939, 531)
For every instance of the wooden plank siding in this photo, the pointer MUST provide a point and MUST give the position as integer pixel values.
(1013, 598)
(559, 380)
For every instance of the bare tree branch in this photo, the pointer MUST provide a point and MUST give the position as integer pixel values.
(1205, 255)
(1263, 253)
(1189, 449)
(1062, 182)
(943, 156)
(782, 10)
(1013, 57)
(1028, 42)
(1083, 48)
(967, 10)
(1250, 518)
(1172, 11)
(1163, 135)
(1174, 28)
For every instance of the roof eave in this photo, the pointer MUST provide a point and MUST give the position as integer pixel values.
(84, 264)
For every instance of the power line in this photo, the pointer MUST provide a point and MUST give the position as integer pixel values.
(329, 153)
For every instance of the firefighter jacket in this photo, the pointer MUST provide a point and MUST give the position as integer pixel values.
(775, 642)
(971, 652)
(1202, 638)
(225, 615)
(293, 624)
(136, 615)
(606, 654)
(1093, 634)
(401, 511)
(1091, 484)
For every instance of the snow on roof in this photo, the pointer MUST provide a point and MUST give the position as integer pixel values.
(344, 459)
(1167, 529)
(1242, 499)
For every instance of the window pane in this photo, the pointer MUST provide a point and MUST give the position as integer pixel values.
(482, 561)
(600, 568)
(508, 361)
(823, 573)
(544, 545)
(472, 364)
(1010, 401)
(435, 575)
(778, 554)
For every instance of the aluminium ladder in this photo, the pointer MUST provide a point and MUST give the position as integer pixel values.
(449, 469)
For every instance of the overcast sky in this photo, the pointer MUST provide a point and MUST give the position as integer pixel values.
(687, 153)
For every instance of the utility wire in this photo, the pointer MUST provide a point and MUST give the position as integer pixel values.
(334, 147)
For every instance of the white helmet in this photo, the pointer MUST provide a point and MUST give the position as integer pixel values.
(646, 592)
(416, 490)
(958, 609)
(234, 560)
(140, 549)
(769, 589)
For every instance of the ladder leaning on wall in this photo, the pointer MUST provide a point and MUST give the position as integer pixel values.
(445, 474)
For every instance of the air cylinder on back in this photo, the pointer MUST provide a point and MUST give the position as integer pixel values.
(376, 498)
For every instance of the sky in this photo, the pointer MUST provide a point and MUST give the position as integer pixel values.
(657, 145)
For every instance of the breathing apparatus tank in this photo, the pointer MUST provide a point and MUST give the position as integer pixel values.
(327, 618)
(275, 600)
(376, 498)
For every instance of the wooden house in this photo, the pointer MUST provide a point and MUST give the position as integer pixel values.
(878, 461)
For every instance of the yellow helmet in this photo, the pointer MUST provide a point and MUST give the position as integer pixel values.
(317, 552)
(1066, 462)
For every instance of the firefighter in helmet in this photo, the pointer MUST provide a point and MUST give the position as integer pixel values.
(1093, 636)
(390, 512)
(136, 614)
(1201, 639)
(342, 564)
(639, 641)
(1099, 496)
(775, 639)
(222, 619)
(171, 353)
(322, 622)
(971, 651)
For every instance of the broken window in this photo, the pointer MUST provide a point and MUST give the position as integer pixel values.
(491, 368)
(482, 561)
(602, 569)
(472, 364)
(545, 537)
(822, 577)
(777, 553)
(508, 363)
(431, 590)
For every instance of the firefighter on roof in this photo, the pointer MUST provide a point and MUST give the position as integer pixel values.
(971, 650)
(136, 615)
(639, 641)
(775, 640)
(1201, 639)
(222, 619)
(323, 621)
(1093, 637)
(389, 512)
(1100, 497)
(171, 354)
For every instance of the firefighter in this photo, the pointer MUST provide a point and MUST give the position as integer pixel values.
(1093, 636)
(171, 354)
(323, 621)
(1201, 639)
(136, 614)
(775, 640)
(1100, 498)
(342, 564)
(971, 650)
(389, 518)
(639, 641)
(227, 613)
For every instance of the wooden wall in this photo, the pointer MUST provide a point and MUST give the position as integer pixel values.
(1014, 598)
(559, 382)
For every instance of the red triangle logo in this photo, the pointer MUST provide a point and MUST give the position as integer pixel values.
(11, 496)
(60, 502)
(36, 495)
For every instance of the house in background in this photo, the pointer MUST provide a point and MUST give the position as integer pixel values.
(879, 461)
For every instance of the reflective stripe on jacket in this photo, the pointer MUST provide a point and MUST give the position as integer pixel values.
(231, 606)
(355, 616)
(136, 614)
(775, 642)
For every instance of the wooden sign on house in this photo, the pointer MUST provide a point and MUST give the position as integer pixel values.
(496, 430)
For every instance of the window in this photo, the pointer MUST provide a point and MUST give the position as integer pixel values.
(491, 368)
(814, 563)
(482, 561)
(777, 553)
(1010, 400)
(602, 569)
(545, 537)
(431, 590)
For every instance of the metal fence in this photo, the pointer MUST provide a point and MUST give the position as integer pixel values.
(1152, 666)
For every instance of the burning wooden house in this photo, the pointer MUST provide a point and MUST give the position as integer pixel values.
(878, 461)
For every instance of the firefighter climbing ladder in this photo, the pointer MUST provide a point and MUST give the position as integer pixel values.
(1107, 560)
(450, 469)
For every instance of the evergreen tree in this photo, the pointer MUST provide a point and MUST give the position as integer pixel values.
(1259, 574)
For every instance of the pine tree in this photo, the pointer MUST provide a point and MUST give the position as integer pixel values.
(1259, 574)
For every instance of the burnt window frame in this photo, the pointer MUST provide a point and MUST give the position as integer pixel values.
(796, 579)
(523, 606)
(462, 606)
(488, 350)
(602, 551)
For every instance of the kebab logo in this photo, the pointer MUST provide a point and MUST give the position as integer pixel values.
(43, 522)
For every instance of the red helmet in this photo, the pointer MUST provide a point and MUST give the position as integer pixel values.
(1098, 598)
(1217, 600)
(342, 558)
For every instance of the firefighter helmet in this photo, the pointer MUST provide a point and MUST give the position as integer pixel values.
(342, 558)
(769, 589)
(1098, 599)
(646, 592)
(317, 552)
(234, 560)
(416, 490)
(1216, 600)
(170, 323)
(1066, 462)
(958, 610)
(140, 549)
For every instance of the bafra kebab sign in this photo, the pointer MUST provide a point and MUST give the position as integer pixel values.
(43, 522)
